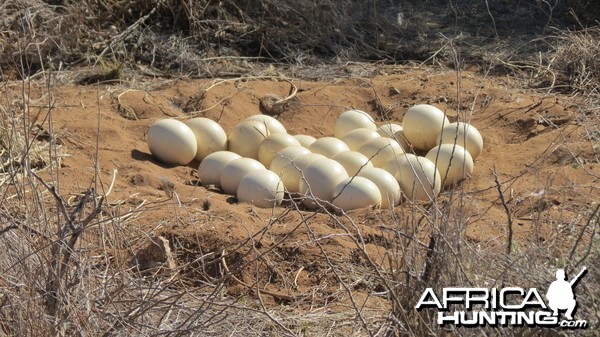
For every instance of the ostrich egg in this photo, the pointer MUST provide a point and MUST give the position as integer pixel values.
(261, 188)
(172, 142)
(319, 181)
(357, 137)
(422, 124)
(418, 178)
(380, 150)
(305, 140)
(350, 120)
(463, 134)
(328, 146)
(210, 168)
(393, 164)
(352, 161)
(395, 132)
(292, 174)
(235, 171)
(272, 124)
(210, 136)
(246, 137)
(386, 183)
(284, 158)
(274, 143)
(453, 162)
(355, 192)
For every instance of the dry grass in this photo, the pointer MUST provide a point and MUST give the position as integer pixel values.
(211, 39)
(572, 64)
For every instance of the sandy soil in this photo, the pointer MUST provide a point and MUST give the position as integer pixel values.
(536, 143)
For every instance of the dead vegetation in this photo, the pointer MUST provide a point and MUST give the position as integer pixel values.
(210, 38)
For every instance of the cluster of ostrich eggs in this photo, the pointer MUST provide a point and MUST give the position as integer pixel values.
(363, 164)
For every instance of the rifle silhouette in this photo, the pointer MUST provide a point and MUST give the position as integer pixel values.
(576, 278)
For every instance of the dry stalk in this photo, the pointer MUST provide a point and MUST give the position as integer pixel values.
(509, 239)
(593, 221)
(274, 105)
(129, 112)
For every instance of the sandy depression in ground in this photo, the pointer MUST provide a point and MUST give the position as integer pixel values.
(537, 143)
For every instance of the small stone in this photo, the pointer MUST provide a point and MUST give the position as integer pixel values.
(156, 257)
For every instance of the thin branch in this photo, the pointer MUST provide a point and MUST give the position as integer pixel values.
(507, 210)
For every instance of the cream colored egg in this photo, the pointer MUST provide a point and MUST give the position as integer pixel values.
(292, 174)
(380, 150)
(396, 132)
(356, 192)
(422, 124)
(388, 129)
(210, 136)
(352, 161)
(319, 181)
(418, 178)
(305, 140)
(172, 142)
(350, 120)
(284, 158)
(386, 183)
(261, 188)
(393, 164)
(274, 143)
(453, 161)
(358, 137)
(210, 168)
(235, 171)
(465, 135)
(328, 146)
(272, 124)
(246, 137)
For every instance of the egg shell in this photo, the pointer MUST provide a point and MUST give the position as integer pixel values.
(261, 188)
(358, 137)
(396, 132)
(235, 171)
(274, 143)
(350, 120)
(452, 161)
(284, 158)
(388, 129)
(272, 124)
(305, 140)
(328, 146)
(352, 161)
(292, 174)
(386, 183)
(319, 181)
(210, 136)
(246, 137)
(380, 150)
(393, 164)
(422, 124)
(210, 168)
(356, 192)
(172, 142)
(463, 134)
(418, 178)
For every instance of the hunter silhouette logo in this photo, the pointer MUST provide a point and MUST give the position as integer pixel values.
(560, 293)
(510, 306)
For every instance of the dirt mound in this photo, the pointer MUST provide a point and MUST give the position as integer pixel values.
(526, 210)
(535, 144)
